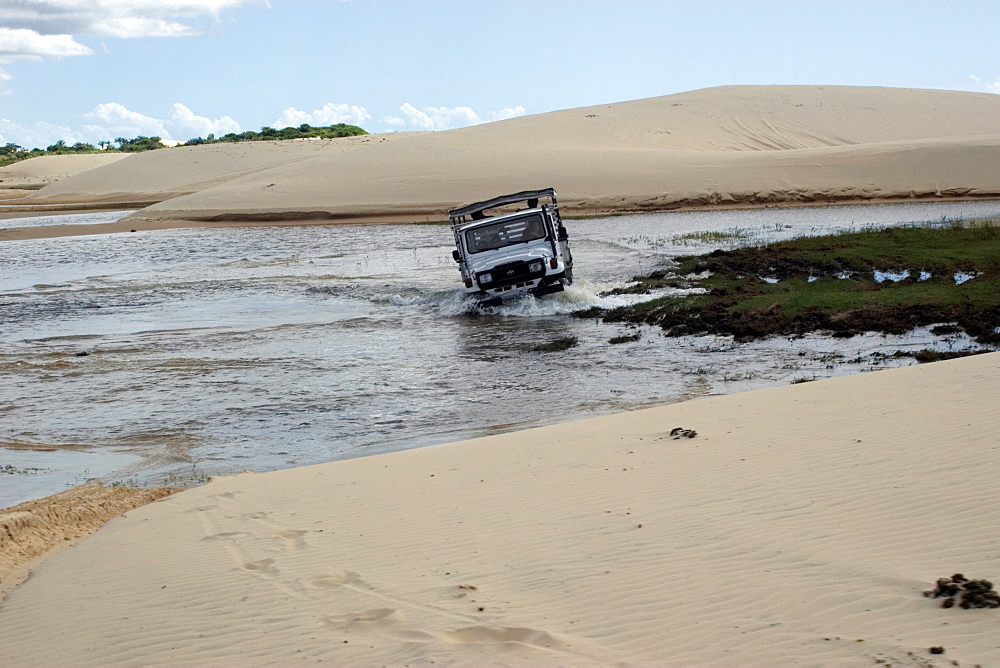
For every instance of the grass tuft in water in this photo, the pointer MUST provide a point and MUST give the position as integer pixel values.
(564, 343)
(624, 338)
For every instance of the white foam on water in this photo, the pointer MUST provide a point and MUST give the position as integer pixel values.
(893, 276)
(961, 277)
(579, 296)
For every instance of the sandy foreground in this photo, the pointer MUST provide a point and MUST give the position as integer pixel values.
(34, 530)
(799, 526)
(726, 146)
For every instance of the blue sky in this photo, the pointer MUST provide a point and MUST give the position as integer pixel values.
(92, 70)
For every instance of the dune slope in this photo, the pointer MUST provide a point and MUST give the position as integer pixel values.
(727, 145)
(23, 178)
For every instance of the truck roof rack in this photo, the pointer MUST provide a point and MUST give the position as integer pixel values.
(524, 196)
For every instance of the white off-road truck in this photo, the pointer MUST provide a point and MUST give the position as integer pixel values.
(512, 253)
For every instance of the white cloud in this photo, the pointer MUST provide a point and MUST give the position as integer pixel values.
(116, 18)
(110, 120)
(18, 44)
(23, 43)
(185, 124)
(135, 26)
(447, 118)
(505, 113)
(330, 114)
(438, 118)
(36, 135)
(993, 87)
(36, 29)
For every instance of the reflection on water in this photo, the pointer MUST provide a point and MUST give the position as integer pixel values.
(175, 354)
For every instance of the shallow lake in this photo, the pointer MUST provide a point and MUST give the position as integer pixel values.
(164, 357)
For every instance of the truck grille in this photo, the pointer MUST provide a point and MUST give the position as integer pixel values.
(512, 272)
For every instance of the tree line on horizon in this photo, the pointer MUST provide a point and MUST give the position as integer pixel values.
(11, 153)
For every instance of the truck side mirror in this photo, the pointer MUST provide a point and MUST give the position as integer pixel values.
(563, 234)
(457, 257)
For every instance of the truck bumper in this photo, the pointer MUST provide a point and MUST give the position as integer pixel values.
(548, 289)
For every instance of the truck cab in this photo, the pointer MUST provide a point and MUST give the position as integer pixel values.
(512, 252)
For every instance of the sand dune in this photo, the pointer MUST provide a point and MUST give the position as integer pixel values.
(737, 145)
(799, 526)
(21, 179)
(58, 166)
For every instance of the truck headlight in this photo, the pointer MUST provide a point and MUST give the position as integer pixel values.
(536, 266)
(486, 277)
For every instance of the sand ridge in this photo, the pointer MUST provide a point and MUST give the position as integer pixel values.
(800, 525)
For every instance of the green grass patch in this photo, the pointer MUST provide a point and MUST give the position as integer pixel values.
(827, 284)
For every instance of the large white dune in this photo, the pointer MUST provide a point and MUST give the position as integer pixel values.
(730, 145)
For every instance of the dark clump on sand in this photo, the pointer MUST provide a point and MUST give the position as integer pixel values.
(965, 593)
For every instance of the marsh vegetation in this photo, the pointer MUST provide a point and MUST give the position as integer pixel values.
(887, 280)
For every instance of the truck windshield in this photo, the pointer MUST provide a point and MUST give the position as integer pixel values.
(505, 233)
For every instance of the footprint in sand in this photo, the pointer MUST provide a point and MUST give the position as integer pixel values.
(486, 634)
(332, 580)
(257, 515)
(294, 538)
(225, 534)
(260, 566)
(373, 615)
(410, 635)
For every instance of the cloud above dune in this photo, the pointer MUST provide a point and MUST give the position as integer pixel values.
(989, 87)
(39, 134)
(446, 118)
(111, 120)
(185, 124)
(330, 114)
(41, 29)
